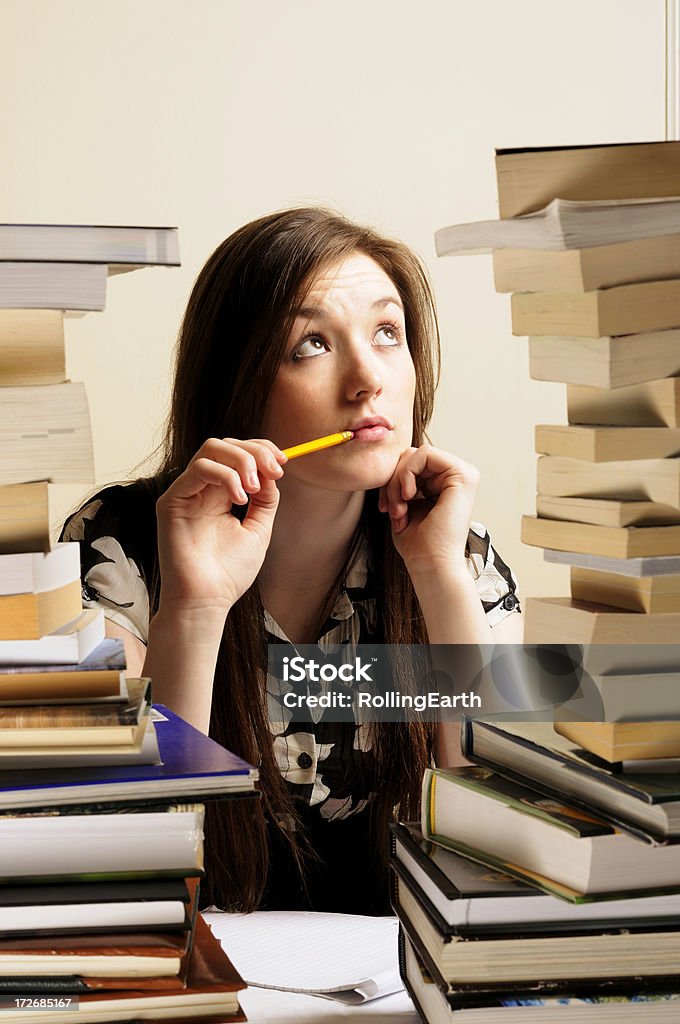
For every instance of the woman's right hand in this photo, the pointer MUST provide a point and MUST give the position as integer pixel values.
(209, 558)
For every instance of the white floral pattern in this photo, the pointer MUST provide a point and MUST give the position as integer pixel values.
(337, 776)
(289, 750)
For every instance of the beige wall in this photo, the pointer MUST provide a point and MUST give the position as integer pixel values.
(207, 113)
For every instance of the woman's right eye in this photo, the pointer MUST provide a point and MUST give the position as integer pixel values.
(308, 347)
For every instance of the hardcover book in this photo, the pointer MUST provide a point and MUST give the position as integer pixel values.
(471, 900)
(524, 959)
(536, 1001)
(552, 845)
(645, 804)
(210, 995)
(192, 766)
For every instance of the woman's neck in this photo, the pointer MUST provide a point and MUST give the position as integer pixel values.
(310, 543)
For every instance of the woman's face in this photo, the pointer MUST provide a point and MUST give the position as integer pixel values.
(346, 363)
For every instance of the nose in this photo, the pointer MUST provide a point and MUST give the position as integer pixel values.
(363, 376)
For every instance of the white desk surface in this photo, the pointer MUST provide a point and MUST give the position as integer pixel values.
(264, 1005)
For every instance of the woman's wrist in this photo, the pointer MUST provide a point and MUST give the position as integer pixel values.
(451, 607)
(433, 578)
(205, 618)
(184, 643)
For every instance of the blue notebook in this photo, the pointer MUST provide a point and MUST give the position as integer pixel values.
(192, 766)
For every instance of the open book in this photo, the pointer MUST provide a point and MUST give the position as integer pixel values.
(338, 956)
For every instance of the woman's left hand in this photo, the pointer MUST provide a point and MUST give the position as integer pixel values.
(429, 500)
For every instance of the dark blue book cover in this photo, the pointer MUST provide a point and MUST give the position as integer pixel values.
(192, 766)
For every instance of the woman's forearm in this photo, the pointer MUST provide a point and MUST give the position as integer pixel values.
(452, 609)
(181, 658)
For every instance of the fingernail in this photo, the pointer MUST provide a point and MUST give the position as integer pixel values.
(242, 496)
(253, 480)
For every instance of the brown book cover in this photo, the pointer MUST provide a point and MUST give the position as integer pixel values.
(78, 716)
(172, 984)
(132, 944)
(164, 945)
(211, 979)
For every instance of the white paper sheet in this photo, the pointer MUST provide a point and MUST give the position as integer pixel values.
(343, 957)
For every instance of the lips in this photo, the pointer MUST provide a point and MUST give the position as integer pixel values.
(371, 428)
(371, 421)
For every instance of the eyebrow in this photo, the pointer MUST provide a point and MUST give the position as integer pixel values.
(315, 311)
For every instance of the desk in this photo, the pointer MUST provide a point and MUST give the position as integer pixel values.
(262, 1005)
(306, 950)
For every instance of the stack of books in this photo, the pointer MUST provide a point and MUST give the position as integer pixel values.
(509, 897)
(595, 282)
(62, 686)
(48, 271)
(546, 874)
(99, 877)
(101, 794)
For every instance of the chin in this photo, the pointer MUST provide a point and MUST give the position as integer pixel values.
(367, 474)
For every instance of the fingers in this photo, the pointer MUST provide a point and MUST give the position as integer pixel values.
(202, 473)
(227, 471)
(252, 461)
(425, 470)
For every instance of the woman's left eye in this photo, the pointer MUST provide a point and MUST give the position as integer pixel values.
(391, 332)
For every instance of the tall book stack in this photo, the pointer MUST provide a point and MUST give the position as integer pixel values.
(101, 795)
(509, 897)
(589, 246)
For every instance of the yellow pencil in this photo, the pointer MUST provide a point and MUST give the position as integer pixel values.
(321, 442)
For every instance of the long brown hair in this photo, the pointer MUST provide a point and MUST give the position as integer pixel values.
(231, 343)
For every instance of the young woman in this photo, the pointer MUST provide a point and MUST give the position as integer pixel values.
(301, 324)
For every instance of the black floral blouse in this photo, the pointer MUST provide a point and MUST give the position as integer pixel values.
(328, 766)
